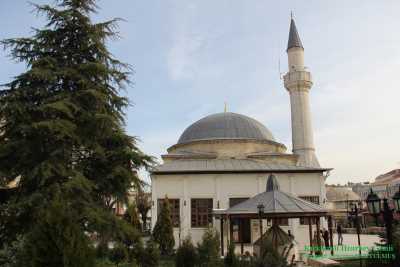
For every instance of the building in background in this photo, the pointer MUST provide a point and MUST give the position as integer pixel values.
(340, 199)
(385, 185)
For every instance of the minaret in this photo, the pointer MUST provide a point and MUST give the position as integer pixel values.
(298, 82)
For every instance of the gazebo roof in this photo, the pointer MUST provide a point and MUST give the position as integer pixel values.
(276, 202)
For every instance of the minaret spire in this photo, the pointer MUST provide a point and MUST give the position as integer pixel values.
(298, 82)
(294, 38)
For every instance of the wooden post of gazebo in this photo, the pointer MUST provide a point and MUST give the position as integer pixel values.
(241, 236)
(230, 232)
(330, 232)
(222, 235)
(318, 235)
(310, 234)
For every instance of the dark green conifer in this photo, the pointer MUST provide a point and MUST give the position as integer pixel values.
(132, 217)
(62, 131)
(231, 260)
(163, 230)
(209, 249)
(151, 257)
(186, 255)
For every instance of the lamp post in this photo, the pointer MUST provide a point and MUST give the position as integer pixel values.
(375, 208)
(354, 216)
(260, 208)
(396, 200)
(374, 205)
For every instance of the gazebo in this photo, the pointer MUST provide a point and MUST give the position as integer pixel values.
(274, 204)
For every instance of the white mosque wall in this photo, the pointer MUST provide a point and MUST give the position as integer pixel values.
(221, 187)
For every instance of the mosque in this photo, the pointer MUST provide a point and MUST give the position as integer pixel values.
(225, 159)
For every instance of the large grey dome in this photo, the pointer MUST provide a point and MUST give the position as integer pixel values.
(226, 125)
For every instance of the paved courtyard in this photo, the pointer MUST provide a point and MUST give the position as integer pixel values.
(350, 245)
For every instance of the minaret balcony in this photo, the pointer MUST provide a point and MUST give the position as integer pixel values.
(299, 79)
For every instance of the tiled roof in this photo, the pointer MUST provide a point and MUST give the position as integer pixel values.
(276, 202)
(226, 125)
(294, 38)
(228, 165)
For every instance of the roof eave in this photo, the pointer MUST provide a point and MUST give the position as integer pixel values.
(242, 171)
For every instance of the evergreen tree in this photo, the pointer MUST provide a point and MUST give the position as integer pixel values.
(209, 249)
(186, 255)
(132, 217)
(62, 134)
(384, 254)
(231, 260)
(151, 257)
(57, 240)
(163, 230)
(119, 254)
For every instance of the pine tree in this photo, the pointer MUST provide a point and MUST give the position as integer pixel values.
(119, 254)
(209, 249)
(62, 129)
(151, 257)
(132, 217)
(163, 230)
(231, 260)
(57, 240)
(186, 255)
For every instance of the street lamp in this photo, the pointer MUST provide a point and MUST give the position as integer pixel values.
(354, 216)
(374, 207)
(260, 208)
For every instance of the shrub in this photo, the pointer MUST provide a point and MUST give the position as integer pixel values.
(151, 255)
(208, 249)
(118, 254)
(269, 256)
(163, 230)
(231, 260)
(186, 255)
(132, 217)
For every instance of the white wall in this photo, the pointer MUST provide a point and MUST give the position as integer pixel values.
(221, 187)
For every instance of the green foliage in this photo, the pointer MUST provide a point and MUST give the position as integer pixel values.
(269, 256)
(231, 260)
(132, 217)
(57, 239)
(186, 255)
(119, 254)
(108, 263)
(209, 249)
(396, 244)
(63, 137)
(382, 256)
(11, 255)
(163, 230)
(102, 251)
(151, 256)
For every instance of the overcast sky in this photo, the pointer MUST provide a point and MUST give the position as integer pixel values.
(192, 56)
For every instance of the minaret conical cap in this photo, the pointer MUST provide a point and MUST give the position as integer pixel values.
(272, 183)
(294, 38)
